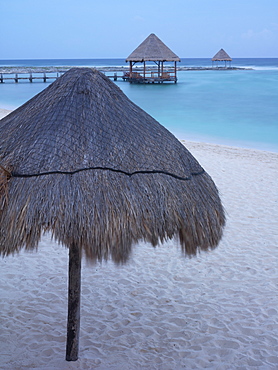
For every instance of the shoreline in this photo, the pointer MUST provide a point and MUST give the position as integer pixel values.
(160, 311)
(4, 112)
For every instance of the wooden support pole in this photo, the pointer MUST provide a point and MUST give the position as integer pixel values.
(144, 69)
(74, 292)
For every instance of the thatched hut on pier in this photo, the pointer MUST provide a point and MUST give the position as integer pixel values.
(152, 49)
(221, 56)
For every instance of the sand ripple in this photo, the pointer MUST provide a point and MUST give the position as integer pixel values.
(160, 311)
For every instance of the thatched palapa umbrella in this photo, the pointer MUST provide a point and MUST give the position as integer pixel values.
(81, 161)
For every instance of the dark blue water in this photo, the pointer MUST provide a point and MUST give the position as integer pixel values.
(236, 107)
(185, 62)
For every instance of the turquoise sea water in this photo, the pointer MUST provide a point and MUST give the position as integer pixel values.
(234, 107)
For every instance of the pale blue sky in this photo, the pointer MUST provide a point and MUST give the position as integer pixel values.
(54, 29)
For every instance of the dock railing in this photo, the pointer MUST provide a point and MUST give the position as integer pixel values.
(28, 76)
(150, 76)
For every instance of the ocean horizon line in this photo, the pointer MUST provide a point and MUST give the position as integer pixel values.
(187, 62)
(124, 58)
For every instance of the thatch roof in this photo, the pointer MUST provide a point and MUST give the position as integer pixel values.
(152, 49)
(82, 161)
(221, 56)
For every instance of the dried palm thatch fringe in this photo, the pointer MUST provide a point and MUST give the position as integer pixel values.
(5, 176)
(81, 121)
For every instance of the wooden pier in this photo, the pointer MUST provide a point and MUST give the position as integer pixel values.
(29, 76)
(38, 75)
(149, 76)
(138, 75)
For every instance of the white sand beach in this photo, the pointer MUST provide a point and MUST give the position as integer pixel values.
(161, 310)
(4, 112)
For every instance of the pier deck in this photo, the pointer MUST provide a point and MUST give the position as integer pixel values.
(115, 73)
(38, 75)
(29, 76)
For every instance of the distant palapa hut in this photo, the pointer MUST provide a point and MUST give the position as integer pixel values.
(221, 56)
(152, 49)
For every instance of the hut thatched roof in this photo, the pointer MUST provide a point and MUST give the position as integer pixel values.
(221, 56)
(152, 49)
(82, 161)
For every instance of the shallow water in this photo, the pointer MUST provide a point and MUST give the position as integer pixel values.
(236, 107)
